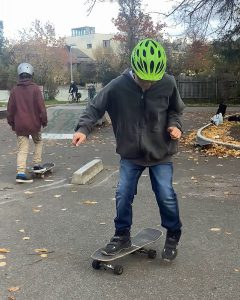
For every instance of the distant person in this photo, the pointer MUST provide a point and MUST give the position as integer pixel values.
(73, 89)
(91, 91)
(145, 109)
(26, 114)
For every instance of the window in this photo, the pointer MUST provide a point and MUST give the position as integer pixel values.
(89, 46)
(106, 43)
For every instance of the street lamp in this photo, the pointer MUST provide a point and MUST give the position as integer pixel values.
(71, 63)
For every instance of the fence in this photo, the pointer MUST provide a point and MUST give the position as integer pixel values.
(209, 90)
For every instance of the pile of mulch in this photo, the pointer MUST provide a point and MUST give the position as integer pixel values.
(228, 132)
(235, 132)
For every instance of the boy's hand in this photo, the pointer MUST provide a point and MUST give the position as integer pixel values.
(175, 133)
(78, 138)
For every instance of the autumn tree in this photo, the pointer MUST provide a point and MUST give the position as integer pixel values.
(203, 17)
(133, 25)
(227, 57)
(198, 58)
(40, 47)
(107, 64)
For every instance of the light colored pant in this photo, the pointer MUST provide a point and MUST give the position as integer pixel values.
(23, 148)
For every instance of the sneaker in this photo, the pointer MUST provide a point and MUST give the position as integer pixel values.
(116, 245)
(22, 178)
(38, 169)
(169, 252)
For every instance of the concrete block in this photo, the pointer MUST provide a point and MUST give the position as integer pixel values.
(87, 172)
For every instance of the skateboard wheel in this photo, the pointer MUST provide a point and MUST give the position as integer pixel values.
(118, 270)
(152, 254)
(96, 264)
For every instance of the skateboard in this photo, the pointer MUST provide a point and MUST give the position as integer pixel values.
(41, 174)
(143, 238)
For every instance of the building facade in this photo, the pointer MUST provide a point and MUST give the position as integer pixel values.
(86, 39)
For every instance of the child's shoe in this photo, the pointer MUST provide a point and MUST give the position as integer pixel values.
(23, 178)
(169, 252)
(116, 245)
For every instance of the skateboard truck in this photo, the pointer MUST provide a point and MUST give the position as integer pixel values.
(117, 269)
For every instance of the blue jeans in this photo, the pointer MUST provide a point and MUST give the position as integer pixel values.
(161, 180)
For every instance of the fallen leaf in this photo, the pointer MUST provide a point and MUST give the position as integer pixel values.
(236, 270)
(4, 250)
(41, 250)
(28, 192)
(14, 289)
(21, 230)
(2, 264)
(57, 196)
(44, 255)
(11, 298)
(36, 210)
(2, 256)
(90, 202)
(215, 229)
(26, 238)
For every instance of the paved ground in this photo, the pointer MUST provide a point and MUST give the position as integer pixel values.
(72, 221)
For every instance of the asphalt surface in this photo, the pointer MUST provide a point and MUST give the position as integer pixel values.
(72, 221)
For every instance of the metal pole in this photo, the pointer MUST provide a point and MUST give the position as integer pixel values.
(71, 72)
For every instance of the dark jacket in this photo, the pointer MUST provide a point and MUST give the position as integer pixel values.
(73, 88)
(139, 119)
(26, 111)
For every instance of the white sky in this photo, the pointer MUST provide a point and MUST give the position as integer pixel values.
(64, 15)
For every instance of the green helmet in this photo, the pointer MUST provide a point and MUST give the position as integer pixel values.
(148, 60)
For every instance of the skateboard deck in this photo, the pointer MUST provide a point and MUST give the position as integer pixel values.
(143, 238)
(49, 168)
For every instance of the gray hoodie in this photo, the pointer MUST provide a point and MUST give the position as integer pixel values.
(139, 119)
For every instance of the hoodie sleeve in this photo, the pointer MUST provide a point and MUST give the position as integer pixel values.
(93, 112)
(41, 107)
(176, 107)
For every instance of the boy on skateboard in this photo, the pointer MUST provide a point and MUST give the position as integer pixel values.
(26, 114)
(145, 110)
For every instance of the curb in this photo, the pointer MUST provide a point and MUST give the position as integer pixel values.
(87, 172)
(203, 141)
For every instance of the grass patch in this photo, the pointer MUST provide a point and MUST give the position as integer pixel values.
(54, 102)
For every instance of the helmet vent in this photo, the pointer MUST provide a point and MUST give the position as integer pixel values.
(151, 66)
(145, 67)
